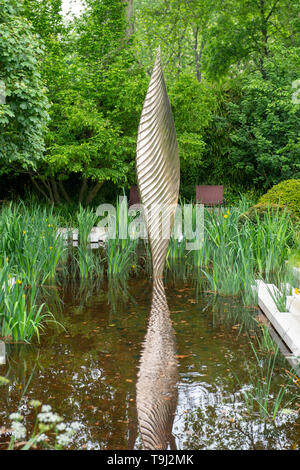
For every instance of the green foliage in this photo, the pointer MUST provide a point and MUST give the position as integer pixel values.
(258, 126)
(260, 211)
(20, 317)
(96, 89)
(30, 243)
(287, 193)
(193, 104)
(82, 141)
(229, 67)
(243, 33)
(24, 114)
(234, 254)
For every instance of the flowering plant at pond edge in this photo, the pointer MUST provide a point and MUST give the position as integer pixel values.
(49, 430)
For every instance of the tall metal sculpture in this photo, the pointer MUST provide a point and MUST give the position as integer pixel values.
(158, 173)
(157, 164)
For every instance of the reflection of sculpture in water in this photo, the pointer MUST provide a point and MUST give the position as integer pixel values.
(158, 374)
(158, 175)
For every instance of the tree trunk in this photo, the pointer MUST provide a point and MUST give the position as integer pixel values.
(93, 193)
(64, 192)
(48, 187)
(82, 190)
(198, 54)
(265, 38)
(55, 190)
(40, 189)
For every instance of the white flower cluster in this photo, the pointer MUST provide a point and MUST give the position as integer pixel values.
(18, 430)
(15, 417)
(47, 421)
(65, 438)
(47, 416)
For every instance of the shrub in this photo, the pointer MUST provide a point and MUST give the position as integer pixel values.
(287, 193)
(262, 210)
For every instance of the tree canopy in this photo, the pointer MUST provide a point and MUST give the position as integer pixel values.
(231, 70)
(23, 112)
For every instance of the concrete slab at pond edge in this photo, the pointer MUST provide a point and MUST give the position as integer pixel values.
(287, 324)
(2, 353)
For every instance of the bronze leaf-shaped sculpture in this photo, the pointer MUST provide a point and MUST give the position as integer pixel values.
(157, 163)
(158, 173)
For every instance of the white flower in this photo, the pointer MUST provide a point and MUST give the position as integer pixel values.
(61, 427)
(18, 430)
(41, 438)
(49, 417)
(63, 439)
(15, 417)
(46, 408)
(75, 425)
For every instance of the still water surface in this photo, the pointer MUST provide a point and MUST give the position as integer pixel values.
(88, 372)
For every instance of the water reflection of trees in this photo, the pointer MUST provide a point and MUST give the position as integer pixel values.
(228, 428)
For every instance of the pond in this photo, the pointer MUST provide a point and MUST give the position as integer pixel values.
(88, 371)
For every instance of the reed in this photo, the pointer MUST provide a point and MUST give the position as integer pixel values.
(120, 256)
(21, 317)
(235, 253)
(265, 395)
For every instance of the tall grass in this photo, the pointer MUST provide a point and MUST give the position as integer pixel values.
(29, 242)
(21, 316)
(234, 253)
(121, 256)
(237, 251)
(30, 253)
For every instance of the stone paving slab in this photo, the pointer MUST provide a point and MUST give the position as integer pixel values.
(2, 353)
(287, 324)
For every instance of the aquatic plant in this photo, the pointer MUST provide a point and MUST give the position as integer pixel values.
(261, 396)
(21, 316)
(120, 256)
(29, 241)
(264, 340)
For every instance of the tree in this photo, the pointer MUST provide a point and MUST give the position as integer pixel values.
(244, 33)
(258, 125)
(95, 88)
(180, 27)
(193, 105)
(23, 115)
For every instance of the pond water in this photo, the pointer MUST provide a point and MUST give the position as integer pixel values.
(88, 372)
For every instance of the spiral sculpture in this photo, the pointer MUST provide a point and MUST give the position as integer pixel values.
(158, 173)
(157, 164)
